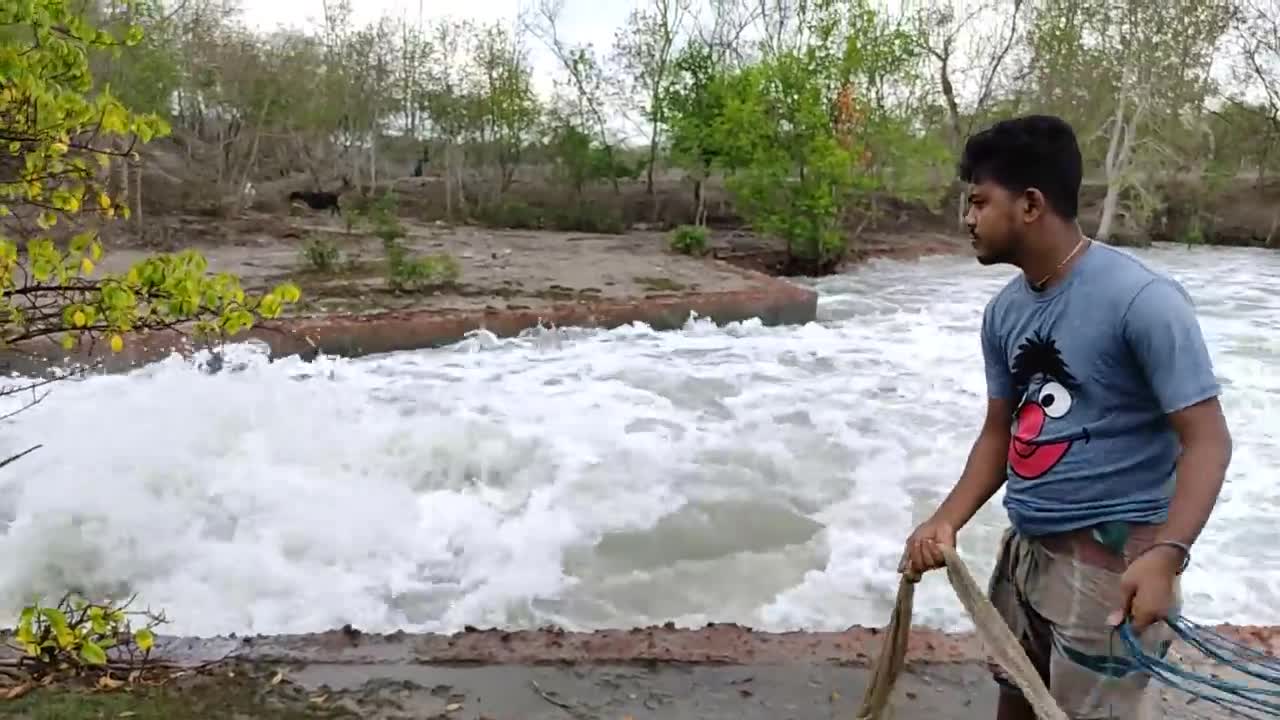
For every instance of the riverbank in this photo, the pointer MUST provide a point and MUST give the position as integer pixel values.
(718, 672)
(508, 282)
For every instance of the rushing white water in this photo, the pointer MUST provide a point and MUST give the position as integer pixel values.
(759, 475)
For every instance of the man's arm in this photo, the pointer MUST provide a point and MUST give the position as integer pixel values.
(1165, 338)
(985, 470)
(1202, 468)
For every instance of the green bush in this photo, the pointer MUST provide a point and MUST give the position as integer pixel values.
(407, 272)
(689, 240)
(322, 255)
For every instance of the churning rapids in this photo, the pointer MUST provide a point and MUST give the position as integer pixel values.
(588, 478)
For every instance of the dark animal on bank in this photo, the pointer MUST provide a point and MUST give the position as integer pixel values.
(316, 200)
(420, 167)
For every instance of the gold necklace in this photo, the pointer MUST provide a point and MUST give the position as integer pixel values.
(1040, 285)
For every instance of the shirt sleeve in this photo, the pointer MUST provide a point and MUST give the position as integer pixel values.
(1164, 335)
(995, 361)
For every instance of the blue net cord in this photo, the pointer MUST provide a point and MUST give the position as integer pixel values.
(1248, 702)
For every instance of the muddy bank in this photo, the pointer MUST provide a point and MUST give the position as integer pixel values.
(521, 692)
(716, 643)
(718, 672)
(509, 282)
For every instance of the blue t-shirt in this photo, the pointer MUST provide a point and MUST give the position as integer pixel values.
(1093, 365)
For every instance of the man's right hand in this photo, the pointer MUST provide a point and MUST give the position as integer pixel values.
(922, 553)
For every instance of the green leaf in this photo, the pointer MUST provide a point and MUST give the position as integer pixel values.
(145, 639)
(56, 619)
(91, 653)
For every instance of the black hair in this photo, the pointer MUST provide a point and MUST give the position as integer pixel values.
(1037, 151)
(1039, 355)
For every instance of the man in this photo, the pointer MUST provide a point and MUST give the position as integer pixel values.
(1102, 418)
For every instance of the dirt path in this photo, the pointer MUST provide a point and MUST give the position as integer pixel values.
(500, 269)
(720, 672)
(542, 692)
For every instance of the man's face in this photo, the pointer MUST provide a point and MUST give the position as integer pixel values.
(993, 222)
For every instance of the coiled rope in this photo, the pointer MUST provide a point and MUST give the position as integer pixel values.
(1244, 700)
(1007, 651)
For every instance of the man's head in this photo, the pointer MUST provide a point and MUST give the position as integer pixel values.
(1024, 176)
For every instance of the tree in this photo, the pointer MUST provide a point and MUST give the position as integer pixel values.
(1258, 69)
(645, 48)
(799, 132)
(56, 135)
(447, 103)
(583, 105)
(1144, 66)
(508, 109)
(984, 33)
(696, 100)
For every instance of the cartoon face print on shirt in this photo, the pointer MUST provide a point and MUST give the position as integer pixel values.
(1047, 387)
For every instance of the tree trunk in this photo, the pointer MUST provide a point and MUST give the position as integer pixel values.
(953, 114)
(459, 165)
(448, 181)
(653, 159)
(1109, 205)
(1123, 129)
(700, 203)
(137, 213)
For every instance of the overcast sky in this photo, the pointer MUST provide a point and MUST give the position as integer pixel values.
(583, 19)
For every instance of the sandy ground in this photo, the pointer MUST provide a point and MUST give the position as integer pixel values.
(500, 269)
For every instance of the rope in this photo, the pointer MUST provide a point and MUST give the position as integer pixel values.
(1231, 696)
(1001, 643)
(1008, 652)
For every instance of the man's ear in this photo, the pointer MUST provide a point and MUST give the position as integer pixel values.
(1032, 204)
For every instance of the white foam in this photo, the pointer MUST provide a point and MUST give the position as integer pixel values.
(523, 481)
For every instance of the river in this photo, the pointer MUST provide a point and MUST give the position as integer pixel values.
(588, 478)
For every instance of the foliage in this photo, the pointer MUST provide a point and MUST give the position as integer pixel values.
(794, 176)
(696, 98)
(76, 634)
(507, 109)
(689, 240)
(407, 272)
(794, 129)
(59, 134)
(1135, 76)
(360, 99)
(580, 160)
(52, 295)
(322, 254)
(381, 215)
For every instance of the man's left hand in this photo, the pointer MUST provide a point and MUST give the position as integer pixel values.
(1146, 588)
